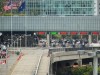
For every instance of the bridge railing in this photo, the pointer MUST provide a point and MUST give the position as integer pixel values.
(51, 50)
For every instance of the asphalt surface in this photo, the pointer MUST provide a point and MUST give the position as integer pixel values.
(29, 62)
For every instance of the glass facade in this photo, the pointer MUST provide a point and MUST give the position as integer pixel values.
(59, 7)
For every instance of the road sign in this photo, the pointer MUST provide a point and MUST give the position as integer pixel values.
(53, 33)
(95, 33)
(83, 33)
(63, 33)
(73, 33)
(41, 33)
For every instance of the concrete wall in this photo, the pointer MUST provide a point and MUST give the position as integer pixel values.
(71, 55)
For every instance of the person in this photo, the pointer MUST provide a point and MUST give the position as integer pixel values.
(3, 47)
(0, 53)
(3, 53)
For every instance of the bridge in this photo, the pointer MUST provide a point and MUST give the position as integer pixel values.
(61, 54)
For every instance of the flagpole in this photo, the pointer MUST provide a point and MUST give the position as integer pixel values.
(11, 27)
(25, 30)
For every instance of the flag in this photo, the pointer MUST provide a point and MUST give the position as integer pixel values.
(8, 6)
(21, 7)
(15, 5)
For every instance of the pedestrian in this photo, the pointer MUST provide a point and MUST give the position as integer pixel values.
(0, 53)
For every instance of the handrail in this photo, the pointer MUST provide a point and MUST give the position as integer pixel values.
(37, 68)
(67, 49)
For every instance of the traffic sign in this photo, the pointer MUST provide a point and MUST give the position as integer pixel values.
(41, 33)
(53, 33)
(95, 33)
(73, 33)
(83, 33)
(63, 33)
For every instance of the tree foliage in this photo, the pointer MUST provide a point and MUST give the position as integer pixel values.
(58, 36)
(1, 5)
(85, 70)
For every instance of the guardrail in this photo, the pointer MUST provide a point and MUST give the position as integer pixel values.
(67, 49)
(37, 67)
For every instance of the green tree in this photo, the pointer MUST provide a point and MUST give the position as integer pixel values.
(87, 70)
(1, 6)
(58, 36)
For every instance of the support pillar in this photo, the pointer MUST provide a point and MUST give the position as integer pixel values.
(48, 39)
(95, 65)
(97, 38)
(90, 38)
(81, 36)
(80, 61)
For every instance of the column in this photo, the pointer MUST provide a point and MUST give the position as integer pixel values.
(48, 39)
(97, 38)
(90, 38)
(81, 36)
(95, 65)
(80, 61)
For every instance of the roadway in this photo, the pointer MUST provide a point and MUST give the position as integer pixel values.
(34, 62)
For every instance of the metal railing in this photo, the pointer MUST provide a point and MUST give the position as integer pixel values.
(67, 49)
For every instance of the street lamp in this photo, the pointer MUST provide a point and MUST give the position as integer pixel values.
(20, 43)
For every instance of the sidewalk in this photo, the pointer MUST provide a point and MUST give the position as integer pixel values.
(28, 63)
(5, 68)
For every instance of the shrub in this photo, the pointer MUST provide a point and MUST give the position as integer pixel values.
(17, 52)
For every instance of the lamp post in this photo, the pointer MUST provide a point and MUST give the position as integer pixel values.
(17, 43)
(14, 43)
(20, 43)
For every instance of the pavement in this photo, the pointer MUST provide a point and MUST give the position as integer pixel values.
(5, 68)
(28, 64)
(44, 65)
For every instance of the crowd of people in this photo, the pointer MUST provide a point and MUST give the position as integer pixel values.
(36, 41)
(69, 43)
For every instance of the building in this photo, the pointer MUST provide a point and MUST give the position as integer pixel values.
(54, 15)
(60, 7)
(98, 6)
